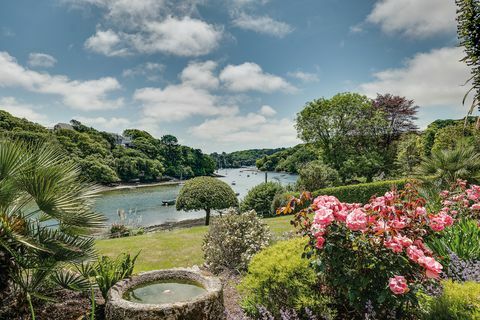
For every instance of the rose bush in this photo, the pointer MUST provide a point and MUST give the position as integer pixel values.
(375, 253)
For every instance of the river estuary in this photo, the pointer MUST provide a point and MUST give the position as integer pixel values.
(143, 206)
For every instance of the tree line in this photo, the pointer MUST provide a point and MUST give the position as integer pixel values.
(104, 157)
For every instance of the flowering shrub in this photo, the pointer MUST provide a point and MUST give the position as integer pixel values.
(233, 239)
(373, 252)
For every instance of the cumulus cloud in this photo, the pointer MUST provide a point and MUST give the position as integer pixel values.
(107, 43)
(36, 59)
(178, 102)
(81, 95)
(304, 76)
(185, 36)
(249, 76)
(22, 110)
(262, 24)
(267, 111)
(415, 18)
(200, 75)
(109, 124)
(150, 70)
(434, 78)
(250, 130)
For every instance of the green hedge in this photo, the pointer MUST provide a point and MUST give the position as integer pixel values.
(355, 193)
(361, 192)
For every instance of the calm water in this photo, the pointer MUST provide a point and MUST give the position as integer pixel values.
(164, 292)
(143, 206)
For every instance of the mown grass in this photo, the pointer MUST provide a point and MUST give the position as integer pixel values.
(176, 248)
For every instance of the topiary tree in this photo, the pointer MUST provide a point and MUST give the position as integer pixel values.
(206, 193)
(260, 198)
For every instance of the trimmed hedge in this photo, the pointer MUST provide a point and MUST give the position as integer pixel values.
(362, 192)
(355, 193)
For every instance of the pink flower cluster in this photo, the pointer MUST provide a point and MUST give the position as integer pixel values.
(389, 220)
(461, 200)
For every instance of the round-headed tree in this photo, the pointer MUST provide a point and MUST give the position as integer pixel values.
(206, 193)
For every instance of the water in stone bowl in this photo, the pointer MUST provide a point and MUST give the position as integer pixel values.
(165, 291)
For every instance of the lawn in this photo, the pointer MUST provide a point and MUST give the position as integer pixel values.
(176, 248)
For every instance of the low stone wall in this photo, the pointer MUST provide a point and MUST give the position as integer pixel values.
(208, 306)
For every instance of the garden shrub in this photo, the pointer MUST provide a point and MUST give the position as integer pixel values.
(279, 278)
(118, 230)
(458, 301)
(316, 175)
(373, 253)
(233, 239)
(260, 198)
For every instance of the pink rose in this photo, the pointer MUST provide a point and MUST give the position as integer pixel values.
(475, 206)
(393, 245)
(433, 268)
(437, 223)
(320, 242)
(341, 215)
(324, 217)
(414, 253)
(389, 196)
(421, 211)
(357, 220)
(404, 241)
(399, 223)
(398, 285)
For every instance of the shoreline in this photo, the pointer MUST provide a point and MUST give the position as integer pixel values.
(124, 186)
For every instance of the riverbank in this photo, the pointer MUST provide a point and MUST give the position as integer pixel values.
(126, 186)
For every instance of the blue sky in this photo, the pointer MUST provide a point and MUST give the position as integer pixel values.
(222, 75)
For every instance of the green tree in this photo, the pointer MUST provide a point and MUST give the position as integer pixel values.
(409, 155)
(260, 198)
(317, 175)
(468, 17)
(206, 193)
(39, 184)
(344, 127)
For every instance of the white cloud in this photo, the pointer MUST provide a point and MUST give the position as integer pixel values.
(262, 24)
(81, 95)
(178, 102)
(267, 111)
(356, 28)
(150, 70)
(36, 59)
(416, 18)
(185, 37)
(434, 78)
(107, 43)
(200, 75)
(304, 76)
(251, 130)
(22, 110)
(109, 124)
(250, 77)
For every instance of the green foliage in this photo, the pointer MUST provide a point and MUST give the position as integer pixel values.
(38, 184)
(233, 239)
(278, 277)
(361, 193)
(260, 198)
(346, 127)
(288, 160)
(468, 17)
(447, 166)
(107, 272)
(242, 158)
(458, 301)
(118, 230)
(206, 193)
(463, 239)
(317, 175)
(101, 157)
(410, 151)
